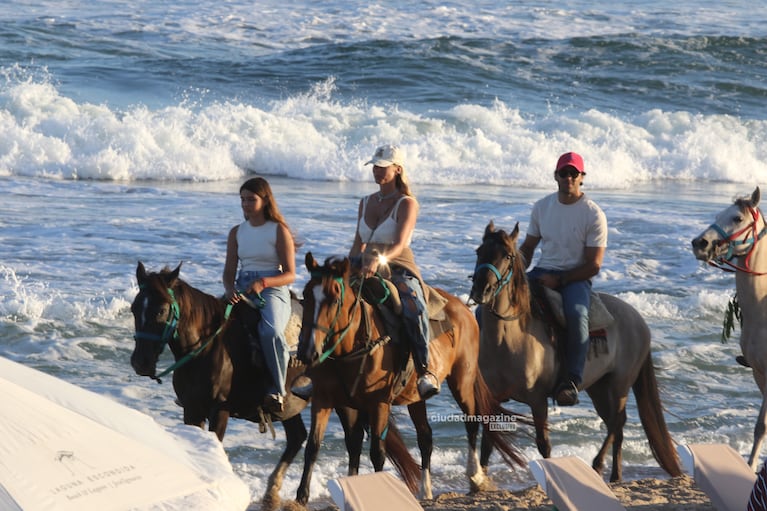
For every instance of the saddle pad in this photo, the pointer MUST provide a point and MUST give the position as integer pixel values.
(435, 303)
(599, 316)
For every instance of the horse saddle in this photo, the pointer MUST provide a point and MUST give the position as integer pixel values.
(383, 294)
(599, 317)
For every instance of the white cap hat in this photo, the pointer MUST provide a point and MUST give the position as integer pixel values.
(386, 155)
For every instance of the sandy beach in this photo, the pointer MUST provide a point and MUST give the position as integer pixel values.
(675, 494)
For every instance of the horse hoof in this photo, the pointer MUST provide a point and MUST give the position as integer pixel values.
(479, 482)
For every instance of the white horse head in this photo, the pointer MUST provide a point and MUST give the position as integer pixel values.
(734, 232)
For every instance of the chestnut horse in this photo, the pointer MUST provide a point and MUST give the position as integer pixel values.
(732, 243)
(519, 359)
(354, 363)
(213, 376)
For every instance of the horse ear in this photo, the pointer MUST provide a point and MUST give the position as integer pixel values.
(140, 273)
(756, 197)
(311, 264)
(490, 228)
(171, 277)
(345, 266)
(515, 233)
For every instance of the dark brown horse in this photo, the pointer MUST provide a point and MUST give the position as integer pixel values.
(213, 375)
(519, 360)
(354, 364)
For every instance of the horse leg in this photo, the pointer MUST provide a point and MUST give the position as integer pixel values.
(423, 431)
(466, 391)
(354, 434)
(320, 418)
(613, 414)
(295, 432)
(219, 418)
(540, 421)
(194, 419)
(379, 418)
(759, 430)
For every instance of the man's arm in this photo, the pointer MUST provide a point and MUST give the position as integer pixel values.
(528, 248)
(592, 263)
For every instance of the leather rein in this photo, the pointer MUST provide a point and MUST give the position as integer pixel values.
(170, 332)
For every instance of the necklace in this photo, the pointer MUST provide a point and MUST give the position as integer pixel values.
(381, 197)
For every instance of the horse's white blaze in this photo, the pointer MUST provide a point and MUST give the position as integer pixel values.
(319, 296)
(142, 318)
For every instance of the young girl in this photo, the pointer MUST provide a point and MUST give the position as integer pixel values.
(264, 249)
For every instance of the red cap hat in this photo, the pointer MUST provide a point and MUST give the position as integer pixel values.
(571, 160)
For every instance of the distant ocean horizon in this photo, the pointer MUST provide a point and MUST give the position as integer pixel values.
(127, 127)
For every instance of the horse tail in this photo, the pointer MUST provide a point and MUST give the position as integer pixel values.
(400, 457)
(654, 424)
(499, 423)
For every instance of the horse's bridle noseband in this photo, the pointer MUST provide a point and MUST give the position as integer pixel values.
(171, 325)
(732, 242)
(330, 331)
(171, 332)
(502, 280)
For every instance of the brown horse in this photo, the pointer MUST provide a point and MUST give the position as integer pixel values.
(732, 243)
(353, 363)
(213, 375)
(519, 360)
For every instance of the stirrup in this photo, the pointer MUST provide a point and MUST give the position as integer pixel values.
(273, 403)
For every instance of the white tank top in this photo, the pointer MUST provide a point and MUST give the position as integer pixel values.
(257, 247)
(385, 232)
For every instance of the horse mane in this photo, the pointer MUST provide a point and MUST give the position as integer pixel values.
(198, 309)
(334, 267)
(519, 289)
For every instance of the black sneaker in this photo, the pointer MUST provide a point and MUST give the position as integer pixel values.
(427, 385)
(566, 394)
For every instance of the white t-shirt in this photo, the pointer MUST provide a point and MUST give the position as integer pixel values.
(565, 230)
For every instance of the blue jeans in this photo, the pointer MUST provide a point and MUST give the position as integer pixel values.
(275, 315)
(576, 299)
(415, 315)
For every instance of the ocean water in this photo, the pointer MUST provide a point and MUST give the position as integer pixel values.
(127, 128)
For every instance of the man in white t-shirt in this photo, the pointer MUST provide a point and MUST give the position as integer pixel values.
(572, 232)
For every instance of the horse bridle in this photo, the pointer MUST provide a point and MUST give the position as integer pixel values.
(502, 280)
(171, 332)
(752, 237)
(171, 325)
(330, 331)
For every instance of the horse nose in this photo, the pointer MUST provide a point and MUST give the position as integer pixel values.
(700, 243)
(141, 366)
